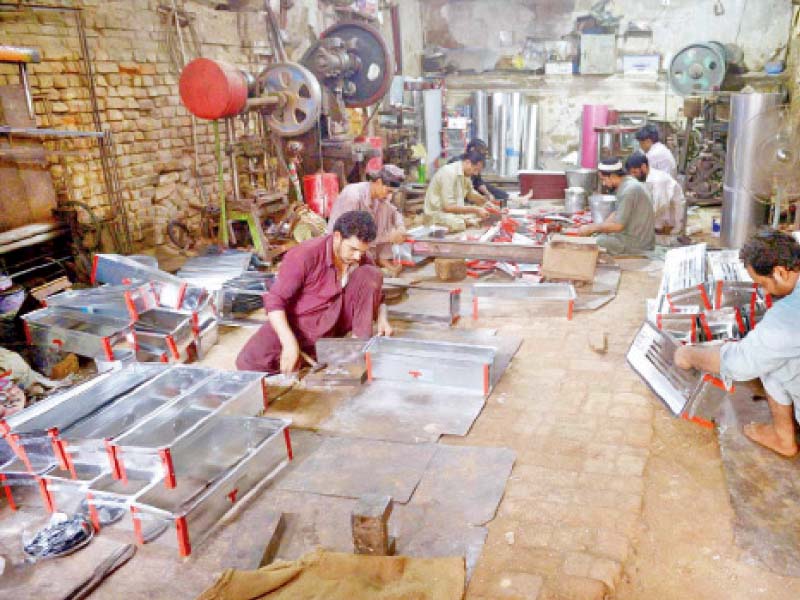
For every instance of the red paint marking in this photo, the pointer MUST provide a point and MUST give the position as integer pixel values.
(195, 324)
(265, 392)
(134, 314)
(706, 328)
(169, 468)
(60, 450)
(95, 260)
(698, 421)
(368, 360)
(718, 383)
(288, 439)
(58, 343)
(173, 347)
(740, 321)
(718, 295)
(570, 310)
(28, 337)
(137, 526)
(181, 294)
(109, 351)
(93, 516)
(704, 296)
(47, 497)
(475, 308)
(184, 547)
(415, 374)
(9, 495)
(232, 495)
(485, 380)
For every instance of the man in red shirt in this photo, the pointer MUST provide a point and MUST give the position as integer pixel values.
(326, 287)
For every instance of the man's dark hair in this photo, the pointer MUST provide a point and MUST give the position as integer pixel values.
(636, 160)
(357, 223)
(769, 249)
(474, 157)
(648, 132)
(478, 145)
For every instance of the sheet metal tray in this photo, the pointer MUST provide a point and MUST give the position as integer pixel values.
(82, 333)
(215, 484)
(464, 366)
(165, 330)
(156, 440)
(689, 394)
(503, 299)
(34, 432)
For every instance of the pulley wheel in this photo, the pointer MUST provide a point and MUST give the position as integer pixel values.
(697, 69)
(301, 92)
(372, 80)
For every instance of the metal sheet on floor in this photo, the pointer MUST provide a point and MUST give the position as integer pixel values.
(386, 410)
(763, 488)
(351, 468)
(466, 481)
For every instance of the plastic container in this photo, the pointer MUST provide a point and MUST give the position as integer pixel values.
(320, 191)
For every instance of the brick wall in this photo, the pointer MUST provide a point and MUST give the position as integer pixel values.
(136, 77)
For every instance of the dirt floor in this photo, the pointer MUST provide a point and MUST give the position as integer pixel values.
(685, 546)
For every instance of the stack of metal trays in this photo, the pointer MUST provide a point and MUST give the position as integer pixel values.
(242, 295)
(174, 448)
(173, 292)
(684, 280)
(120, 301)
(689, 394)
(211, 271)
(731, 282)
(85, 334)
(153, 441)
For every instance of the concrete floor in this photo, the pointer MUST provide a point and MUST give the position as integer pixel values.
(610, 496)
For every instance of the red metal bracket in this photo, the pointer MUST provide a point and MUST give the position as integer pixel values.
(95, 261)
(137, 526)
(485, 380)
(288, 439)
(109, 351)
(9, 495)
(173, 347)
(184, 547)
(93, 516)
(169, 468)
(60, 450)
(368, 361)
(47, 497)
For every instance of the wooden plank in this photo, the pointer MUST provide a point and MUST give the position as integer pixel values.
(26, 187)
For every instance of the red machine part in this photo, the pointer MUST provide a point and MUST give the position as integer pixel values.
(212, 89)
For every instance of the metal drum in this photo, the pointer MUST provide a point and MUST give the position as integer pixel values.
(574, 200)
(602, 205)
(583, 178)
(212, 89)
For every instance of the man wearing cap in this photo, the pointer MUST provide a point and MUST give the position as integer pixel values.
(668, 201)
(657, 153)
(374, 196)
(630, 229)
(449, 188)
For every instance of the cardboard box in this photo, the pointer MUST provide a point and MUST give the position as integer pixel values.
(572, 258)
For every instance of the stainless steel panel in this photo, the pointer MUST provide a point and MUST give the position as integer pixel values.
(530, 139)
(74, 331)
(742, 213)
(480, 115)
(497, 143)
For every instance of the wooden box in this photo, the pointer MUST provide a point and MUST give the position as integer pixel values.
(572, 258)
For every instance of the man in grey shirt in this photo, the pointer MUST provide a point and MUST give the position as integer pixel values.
(771, 351)
(630, 229)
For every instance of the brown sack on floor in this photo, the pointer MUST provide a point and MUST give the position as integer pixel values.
(325, 575)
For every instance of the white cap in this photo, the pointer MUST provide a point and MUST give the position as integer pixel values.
(612, 168)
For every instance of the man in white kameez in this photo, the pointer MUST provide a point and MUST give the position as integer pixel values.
(657, 153)
(669, 203)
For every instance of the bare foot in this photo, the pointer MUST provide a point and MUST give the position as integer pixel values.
(765, 435)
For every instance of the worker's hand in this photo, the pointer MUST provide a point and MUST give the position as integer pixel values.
(585, 230)
(683, 358)
(481, 213)
(398, 236)
(384, 327)
(290, 354)
(490, 197)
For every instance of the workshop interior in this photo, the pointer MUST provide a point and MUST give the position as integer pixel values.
(433, 299)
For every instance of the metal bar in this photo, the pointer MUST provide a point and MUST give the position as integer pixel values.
(519, 253)
(34, 132)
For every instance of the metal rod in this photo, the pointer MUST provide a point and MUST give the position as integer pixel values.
(35, 132)
(23, 77)
(223, 215)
